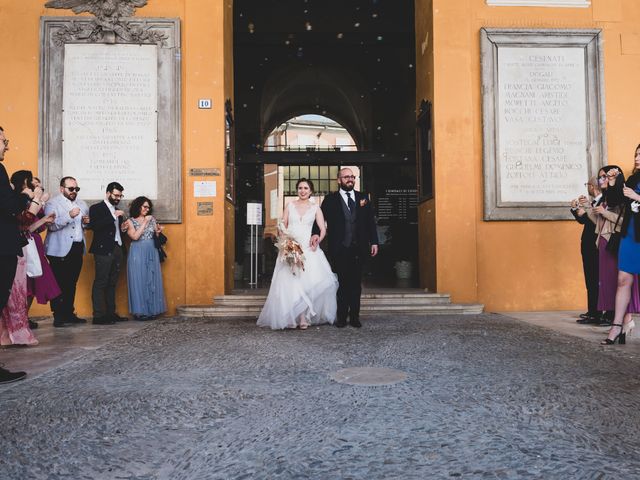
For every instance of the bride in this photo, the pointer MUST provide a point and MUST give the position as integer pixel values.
(301, 297)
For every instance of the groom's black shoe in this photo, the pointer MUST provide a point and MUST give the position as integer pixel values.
(341, 323)
(355, 322)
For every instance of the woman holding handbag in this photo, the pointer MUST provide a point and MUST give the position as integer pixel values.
(144, 276)
(628, 257)
(14, 321)
(43, 288)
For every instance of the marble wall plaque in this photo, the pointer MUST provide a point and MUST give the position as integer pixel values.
(110, 102)
(110, 108)
(542, 144)
(543, 120)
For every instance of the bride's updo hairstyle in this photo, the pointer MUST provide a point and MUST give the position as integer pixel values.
(308, 182)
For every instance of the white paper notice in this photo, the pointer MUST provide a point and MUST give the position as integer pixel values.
(204, 189)
(254, 214)
(110, 121)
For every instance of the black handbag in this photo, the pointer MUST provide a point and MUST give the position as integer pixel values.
(613, 245)
(159, 240)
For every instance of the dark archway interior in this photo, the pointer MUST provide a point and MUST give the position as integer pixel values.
(350, 60)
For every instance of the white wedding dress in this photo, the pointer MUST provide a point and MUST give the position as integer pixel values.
(311, 291)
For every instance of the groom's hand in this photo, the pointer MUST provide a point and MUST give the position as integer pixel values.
(374, 250)
(313, 242)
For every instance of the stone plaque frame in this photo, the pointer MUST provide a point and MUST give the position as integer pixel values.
(55, 32)
(491, 39)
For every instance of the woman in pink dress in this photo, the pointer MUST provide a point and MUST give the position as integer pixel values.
(43, 288)
(14, 324)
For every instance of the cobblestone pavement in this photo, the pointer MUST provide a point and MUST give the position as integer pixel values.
(485, 397)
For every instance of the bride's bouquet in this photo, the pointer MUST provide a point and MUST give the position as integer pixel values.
(290, 250)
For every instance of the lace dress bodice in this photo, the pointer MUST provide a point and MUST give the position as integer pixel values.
(149, 231)
(300, 225)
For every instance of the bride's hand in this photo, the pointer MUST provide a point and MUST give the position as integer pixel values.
(313, 242)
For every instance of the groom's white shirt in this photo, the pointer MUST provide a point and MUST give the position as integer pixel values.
(345, 199)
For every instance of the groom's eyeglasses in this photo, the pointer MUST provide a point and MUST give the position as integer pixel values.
(349, 177)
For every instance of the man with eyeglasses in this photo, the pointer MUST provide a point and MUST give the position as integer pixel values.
(11, 204)
(106, 247)
(65, 246)
(588, 249)
(352, 237)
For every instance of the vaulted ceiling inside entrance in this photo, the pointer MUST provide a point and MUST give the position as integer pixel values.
(349, 60)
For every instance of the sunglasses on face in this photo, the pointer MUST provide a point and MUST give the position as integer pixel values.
(73, 189)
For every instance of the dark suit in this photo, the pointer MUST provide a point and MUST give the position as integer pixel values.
(350, 235)
(11, 204)
(589, 252)
(108, 255)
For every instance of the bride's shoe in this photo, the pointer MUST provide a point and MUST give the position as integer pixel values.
(304, 326)
(621, 337)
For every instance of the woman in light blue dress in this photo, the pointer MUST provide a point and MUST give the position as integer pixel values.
(146, 291)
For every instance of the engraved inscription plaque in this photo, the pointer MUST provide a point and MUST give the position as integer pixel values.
(110, 117)
(110, 108)
(543, 120)
(542, 123)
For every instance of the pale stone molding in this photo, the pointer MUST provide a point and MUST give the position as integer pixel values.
(595, 154)
(540, 3)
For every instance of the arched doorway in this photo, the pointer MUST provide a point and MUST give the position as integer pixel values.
(319, 85)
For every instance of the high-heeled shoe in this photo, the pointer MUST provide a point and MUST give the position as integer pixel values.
(621, 337)
(628, 327)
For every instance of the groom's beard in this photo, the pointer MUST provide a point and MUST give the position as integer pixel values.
(347, 188)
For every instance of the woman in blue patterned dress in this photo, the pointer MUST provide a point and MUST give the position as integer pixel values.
(146, 292)
(628, 256)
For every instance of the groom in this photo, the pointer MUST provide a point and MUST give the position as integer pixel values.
(352, 236)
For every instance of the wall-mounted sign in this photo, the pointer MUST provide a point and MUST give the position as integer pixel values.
(204, 172)
(399, 204)
(205, 103)
(204, 189)
(205, 209)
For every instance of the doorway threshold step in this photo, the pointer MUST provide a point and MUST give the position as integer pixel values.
(366, 301)
(246, 311)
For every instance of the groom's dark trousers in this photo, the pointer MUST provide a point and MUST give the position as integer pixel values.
(357, 229)
(348, 263)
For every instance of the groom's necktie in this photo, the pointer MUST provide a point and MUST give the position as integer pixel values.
(350, 202)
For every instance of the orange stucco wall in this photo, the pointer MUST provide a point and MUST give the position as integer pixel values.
(514, 265)
(195, 268)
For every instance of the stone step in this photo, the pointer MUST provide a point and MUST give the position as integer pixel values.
(377, 302)
(252, 311)
(381, 293)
